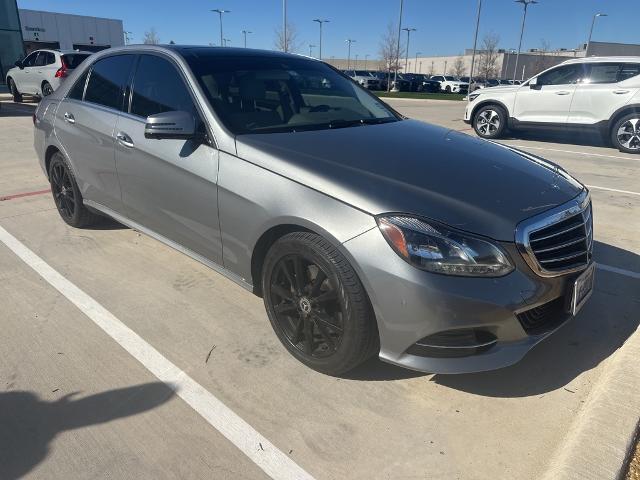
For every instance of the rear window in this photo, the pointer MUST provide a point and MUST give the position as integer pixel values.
(72, 60)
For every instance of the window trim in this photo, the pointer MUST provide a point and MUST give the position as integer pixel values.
(35, 54)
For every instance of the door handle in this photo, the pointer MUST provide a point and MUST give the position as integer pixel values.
(620, 92)
(124, 139)
(563, 92)
(69, 118)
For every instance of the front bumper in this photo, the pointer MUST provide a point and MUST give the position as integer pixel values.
(411, 304)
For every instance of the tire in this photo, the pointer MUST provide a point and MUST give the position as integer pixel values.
(625, 134)
(47, 89)
(490, 121)
(17, 96)
(66, 194)
(325, 298)
(447, 89)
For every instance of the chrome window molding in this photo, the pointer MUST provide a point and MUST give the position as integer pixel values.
(525, 228)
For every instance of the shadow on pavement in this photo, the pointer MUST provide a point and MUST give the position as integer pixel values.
(603, 325)
(589, 138)
(28, 424)
(10, 109)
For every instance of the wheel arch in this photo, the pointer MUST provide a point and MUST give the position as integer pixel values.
(48, 154)
(621, 112)
(486, 102)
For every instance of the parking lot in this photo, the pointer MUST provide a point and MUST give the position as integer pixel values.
(82, 400)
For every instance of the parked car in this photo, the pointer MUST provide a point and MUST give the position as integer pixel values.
(383, 78)
(42, 71)
(355, 249)
(492, 82)
(595, 94)
(449, 84)
(420, 83)
(364, 78)
(476, 83)
(399, 83)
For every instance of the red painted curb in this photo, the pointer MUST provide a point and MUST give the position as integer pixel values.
(24, 194)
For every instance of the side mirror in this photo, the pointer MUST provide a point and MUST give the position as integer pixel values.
(19, 64)
(533, 83)
(175, 125)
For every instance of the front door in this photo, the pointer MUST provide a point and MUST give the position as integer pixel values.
(549, 101)
(169, 186)
(23, 77)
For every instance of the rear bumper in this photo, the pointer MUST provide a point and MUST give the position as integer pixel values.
(411, 304)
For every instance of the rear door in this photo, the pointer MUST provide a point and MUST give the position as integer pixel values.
(603, 91)
(46, 68)
(85, 123)
(168, 186)
(550, 100)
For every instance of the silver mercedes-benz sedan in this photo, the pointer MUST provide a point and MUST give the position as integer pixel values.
(364, 232)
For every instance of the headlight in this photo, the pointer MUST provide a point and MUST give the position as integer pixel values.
(473, 96)
(439, 249)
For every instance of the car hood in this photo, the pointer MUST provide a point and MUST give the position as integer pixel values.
(416, 168)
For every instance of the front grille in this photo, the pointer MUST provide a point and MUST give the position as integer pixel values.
(544, 317)
(565, 245)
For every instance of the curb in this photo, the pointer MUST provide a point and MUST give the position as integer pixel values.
(601, 437)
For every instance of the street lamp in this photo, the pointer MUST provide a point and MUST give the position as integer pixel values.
(219, 11)
(395, 74)
(593, 22)
(245, 32)
(311, 50)
(320, 22)
(406, 61)
(285, 42)
(475, 44)
(415, 67)
(526, 4)
(365, 61)
(349, 41)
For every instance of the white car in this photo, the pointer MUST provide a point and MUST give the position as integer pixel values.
(42, 71)
(450, 84)
(595, 94)
(364, 78)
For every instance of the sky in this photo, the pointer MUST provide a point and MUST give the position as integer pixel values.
(444, 27)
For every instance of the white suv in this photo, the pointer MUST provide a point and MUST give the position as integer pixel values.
(42, 71)
(449, 84)
(596, 94)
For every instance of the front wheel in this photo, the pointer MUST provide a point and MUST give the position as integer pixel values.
(47, 89)
(17, 96)
(490, 121)
(316, 304)
(625, 134)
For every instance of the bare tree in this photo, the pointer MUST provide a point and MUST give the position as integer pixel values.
(459, 68)
(388, 52)
(544, 59)
(290, 44)
(488, 56)
(151, 37)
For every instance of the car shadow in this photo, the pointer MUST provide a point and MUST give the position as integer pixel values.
(29, 424)
(9, 109)
(603, 325)
(587, 138)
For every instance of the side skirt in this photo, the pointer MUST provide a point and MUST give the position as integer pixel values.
(199, 258)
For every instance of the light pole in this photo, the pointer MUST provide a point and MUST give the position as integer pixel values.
(395, 73)
(311, 50)
(349, 41)
(219, 11)
(245, 32)
(475, 44)
(320, 22)
(526, 4)
(355, 65)
(365, 61)
(593, 22)
(420, 68)
(445, 67)
(285, 41)
(415, 67)
(127, 37)
(406, 60)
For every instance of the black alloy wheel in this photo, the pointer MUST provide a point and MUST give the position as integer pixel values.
(17, 96)
(317, 305)
(47, 89)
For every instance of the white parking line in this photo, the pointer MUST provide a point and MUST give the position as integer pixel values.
(620, 271)
(260, 450)
(613, 190)
(527, 147)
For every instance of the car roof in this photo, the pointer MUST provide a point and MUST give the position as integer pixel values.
(629, 59)
(61, 52)
(222, 51)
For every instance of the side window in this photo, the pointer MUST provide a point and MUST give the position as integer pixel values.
(158, 87)
(30, 60)
(51, 58)
(107, 81)
(565, 75)
(77, 90)
(629, 70)
(603, 73)
(41, 61)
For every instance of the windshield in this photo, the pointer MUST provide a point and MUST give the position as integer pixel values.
(259, 94)
(450, 78)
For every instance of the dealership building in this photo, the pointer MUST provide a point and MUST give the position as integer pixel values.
(22, 31)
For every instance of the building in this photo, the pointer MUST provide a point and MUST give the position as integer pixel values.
(69, 32)
(11, 47)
